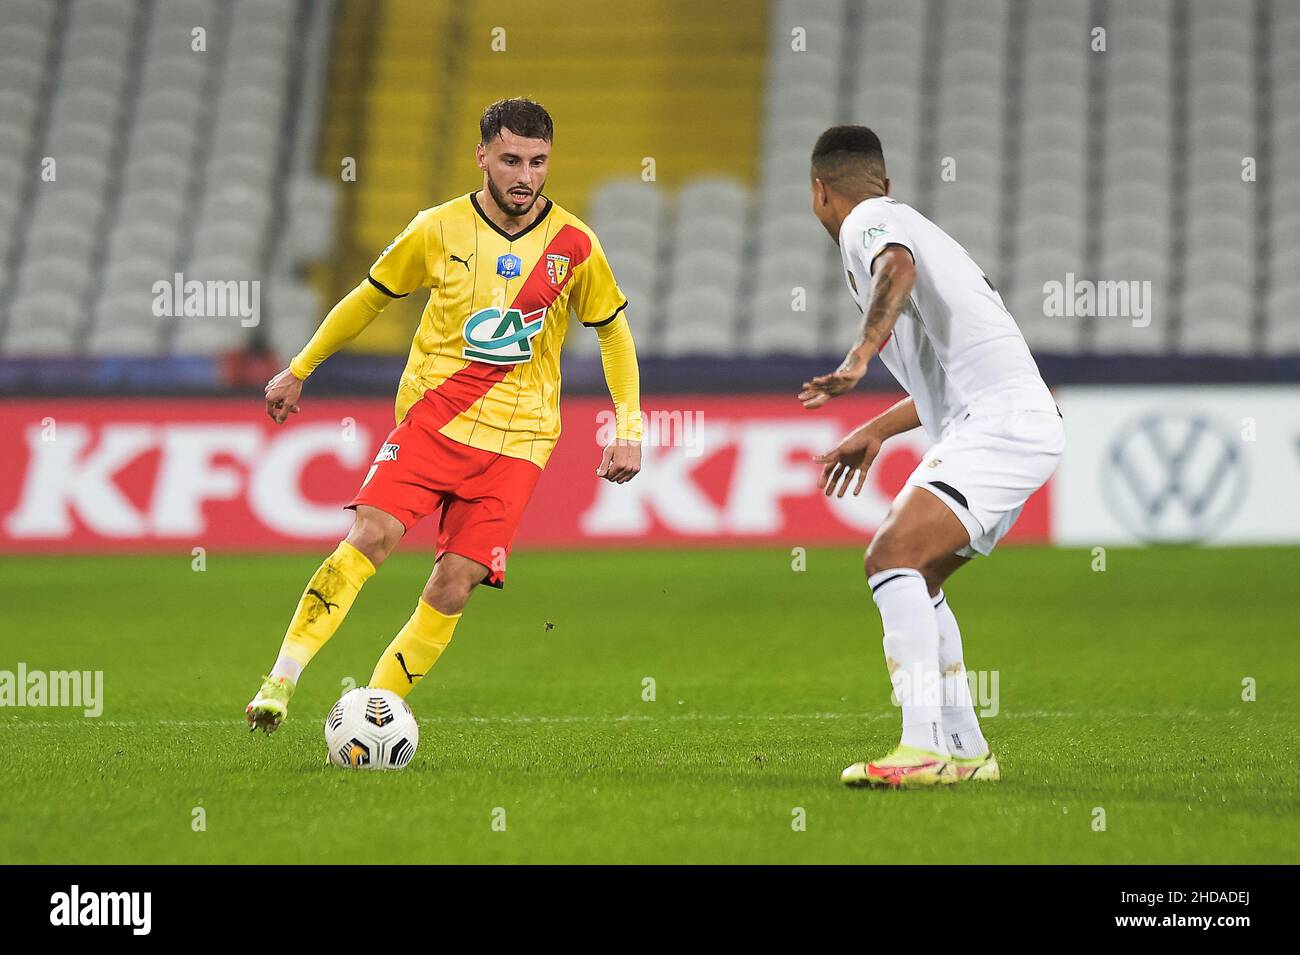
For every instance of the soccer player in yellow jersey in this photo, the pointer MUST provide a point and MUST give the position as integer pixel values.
(478, 404)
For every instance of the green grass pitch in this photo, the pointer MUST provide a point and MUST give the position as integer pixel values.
(1119, 690)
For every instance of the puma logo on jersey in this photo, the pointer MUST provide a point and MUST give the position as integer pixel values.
(464, 262)
(502, 338)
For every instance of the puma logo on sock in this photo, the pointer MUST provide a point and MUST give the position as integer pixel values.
(319, 596)
(410, 677)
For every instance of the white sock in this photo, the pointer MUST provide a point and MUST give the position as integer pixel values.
(912, 654)
(286, 667)
(961, 728)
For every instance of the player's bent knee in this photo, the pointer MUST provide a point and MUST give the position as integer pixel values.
(446, 602)
(453, 580)
(448, 596)
(374, 536)
(888, 551)
(370, 543)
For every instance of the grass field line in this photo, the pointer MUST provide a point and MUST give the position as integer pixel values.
(523, 719)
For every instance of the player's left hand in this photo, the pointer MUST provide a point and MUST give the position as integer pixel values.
(825, 387)
(620, 462)
(851, 457)
(282, 395)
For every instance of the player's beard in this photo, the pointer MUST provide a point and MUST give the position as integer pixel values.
(507, 204)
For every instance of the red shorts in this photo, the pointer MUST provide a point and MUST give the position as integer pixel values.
(482, 494)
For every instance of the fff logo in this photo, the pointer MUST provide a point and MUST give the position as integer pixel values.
(509, 266)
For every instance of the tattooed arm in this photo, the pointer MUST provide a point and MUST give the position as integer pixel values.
(892, 275)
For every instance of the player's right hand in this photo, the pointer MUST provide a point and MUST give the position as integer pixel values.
(620, 462)
(282, 394)
(844, 379)
(852, 456)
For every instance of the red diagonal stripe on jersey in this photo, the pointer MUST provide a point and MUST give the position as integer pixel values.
(459, 392)
(537, 290)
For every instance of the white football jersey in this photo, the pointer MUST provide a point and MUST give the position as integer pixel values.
(955, 348)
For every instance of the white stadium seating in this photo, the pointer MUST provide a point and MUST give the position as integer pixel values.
(1041, 156)
(1117, 166)
(164, 161)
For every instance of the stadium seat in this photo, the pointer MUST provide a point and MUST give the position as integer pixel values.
(782, 333)
(701, 323)
(719, 270)
(1218, 320)
(622, 200)
(1282, 335)
(39, 341)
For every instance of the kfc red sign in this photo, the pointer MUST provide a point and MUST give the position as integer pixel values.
(134, 475)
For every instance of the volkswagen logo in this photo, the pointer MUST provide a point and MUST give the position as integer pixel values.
(1174, 477)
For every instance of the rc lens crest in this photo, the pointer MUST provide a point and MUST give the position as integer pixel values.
(557, 268)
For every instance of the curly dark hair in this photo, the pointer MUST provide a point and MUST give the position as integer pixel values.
(521, 116)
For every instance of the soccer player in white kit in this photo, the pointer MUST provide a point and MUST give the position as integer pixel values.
(942, 330)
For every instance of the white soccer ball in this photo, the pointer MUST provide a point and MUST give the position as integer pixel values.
(371, 729)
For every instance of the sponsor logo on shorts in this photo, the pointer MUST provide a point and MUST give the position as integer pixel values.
(387, 453)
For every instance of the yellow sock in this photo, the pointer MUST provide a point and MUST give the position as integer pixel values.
(322, 607)
(414, 650)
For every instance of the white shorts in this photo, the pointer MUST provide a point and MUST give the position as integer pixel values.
(987, 466)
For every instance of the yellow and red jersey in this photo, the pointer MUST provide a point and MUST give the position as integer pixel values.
(487, 352)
